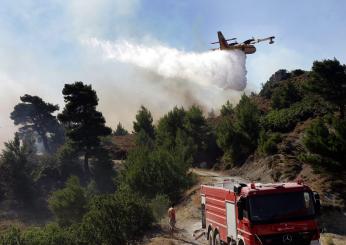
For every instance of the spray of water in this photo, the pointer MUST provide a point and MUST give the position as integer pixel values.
(223, 69)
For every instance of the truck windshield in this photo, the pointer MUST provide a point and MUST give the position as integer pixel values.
(281, 207)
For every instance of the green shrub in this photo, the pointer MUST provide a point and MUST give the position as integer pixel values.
(51, 234)
(156, 171)
(16, 166)
(273, 82)
(69, 204)
(326, 144)
(285, 95)
(11, 237)
(115, 219)
(268, 142)
(159, 206)
(284, 120)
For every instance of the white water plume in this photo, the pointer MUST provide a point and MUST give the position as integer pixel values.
(224, 69)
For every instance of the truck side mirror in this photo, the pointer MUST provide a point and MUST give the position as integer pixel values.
(317, 203)
(240, 205)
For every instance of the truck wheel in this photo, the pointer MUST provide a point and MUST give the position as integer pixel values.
(210, 236)
(217, 240)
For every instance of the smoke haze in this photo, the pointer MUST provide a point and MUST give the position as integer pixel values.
(221, 69)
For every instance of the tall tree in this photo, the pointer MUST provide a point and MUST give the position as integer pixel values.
(15, 171)
(120, 130)
(168, 126)
(238, 136)
(144, 123)
(36, 117)
(328, 79)
(187, 129)
(227, 109)
(84, 124)
(248, 118)
(197, 128)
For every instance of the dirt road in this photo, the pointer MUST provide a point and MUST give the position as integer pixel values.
(188, 213)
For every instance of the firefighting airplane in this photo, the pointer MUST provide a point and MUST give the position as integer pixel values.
(247, 46)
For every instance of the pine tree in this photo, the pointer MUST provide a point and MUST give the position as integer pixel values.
(144, 123)
(120, 130)
(36, 117)
(227, 109)
(328, 79)
(84, 124)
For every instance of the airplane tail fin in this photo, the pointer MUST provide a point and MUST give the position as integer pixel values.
(222, 40)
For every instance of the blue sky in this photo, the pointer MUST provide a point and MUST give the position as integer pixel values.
(41, 49)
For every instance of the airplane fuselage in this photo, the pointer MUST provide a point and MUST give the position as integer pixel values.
(246, 48)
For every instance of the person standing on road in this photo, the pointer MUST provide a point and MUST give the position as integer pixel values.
(172, 219)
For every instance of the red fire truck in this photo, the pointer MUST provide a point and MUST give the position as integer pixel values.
(260, 214)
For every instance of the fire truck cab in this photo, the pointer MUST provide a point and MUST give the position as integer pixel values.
(260, 214)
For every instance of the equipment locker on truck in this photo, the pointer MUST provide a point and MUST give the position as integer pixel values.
(260, 214)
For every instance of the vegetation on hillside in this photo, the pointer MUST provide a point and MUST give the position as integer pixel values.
(89, 201)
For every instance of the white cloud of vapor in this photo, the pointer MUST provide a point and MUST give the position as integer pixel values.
(222, 69)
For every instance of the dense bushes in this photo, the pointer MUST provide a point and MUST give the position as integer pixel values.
(159, 205)
(285, 96)
(116, 219)
(69, 204)
(237, 136)
(187, 128)
(51, 234)
(284, 120)
(235, 144)
(16, 173)
(328, 79)
(111, 219)
(151, 172)
(267, 143)
(326, 143)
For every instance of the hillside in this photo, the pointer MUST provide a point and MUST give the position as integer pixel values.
(88, 182)
(286, 161)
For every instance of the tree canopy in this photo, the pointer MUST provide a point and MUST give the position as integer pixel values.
(227, 109)
(36, 117)
(238, 136)
(84, 124)
(144, 122)
(328, 79)
(15, 171)
(120, 130)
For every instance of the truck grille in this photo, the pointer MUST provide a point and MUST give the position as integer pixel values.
(301, 238)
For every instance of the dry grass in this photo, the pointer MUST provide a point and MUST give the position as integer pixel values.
(332, 239)
(161, 241)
